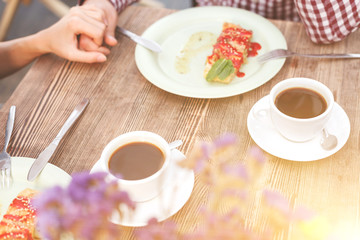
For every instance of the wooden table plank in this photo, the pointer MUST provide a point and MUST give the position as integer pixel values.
(122, 100)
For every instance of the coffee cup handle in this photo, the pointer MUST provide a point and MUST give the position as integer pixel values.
(177, 156)
(262, 115)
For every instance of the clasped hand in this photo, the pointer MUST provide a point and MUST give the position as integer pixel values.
(82, 34)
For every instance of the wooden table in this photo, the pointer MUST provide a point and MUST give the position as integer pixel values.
(123, 100)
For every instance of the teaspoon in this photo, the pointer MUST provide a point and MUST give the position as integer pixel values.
(328, 141)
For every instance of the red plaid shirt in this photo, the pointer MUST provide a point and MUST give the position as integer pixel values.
(325, 21)
(118, 4)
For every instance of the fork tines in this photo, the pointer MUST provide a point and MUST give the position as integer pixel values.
(5, 176)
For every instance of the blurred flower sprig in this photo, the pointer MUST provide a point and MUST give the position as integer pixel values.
(83, 208)
(234, 181)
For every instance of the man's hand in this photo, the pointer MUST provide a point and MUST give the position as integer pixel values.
(110, 19)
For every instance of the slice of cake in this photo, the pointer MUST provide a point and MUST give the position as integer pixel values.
(229, 53)
(19, 219)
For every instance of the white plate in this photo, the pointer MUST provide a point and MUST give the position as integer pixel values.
(267, 137)
(173, 31)
(49, 177)
(179, 188)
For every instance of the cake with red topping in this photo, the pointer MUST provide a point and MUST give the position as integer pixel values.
(230, 52)
(18, 222)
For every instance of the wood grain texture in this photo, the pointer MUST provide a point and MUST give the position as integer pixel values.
(122, 100)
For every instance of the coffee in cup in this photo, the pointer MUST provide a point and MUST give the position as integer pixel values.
(140, 161)
(300, 102)
(136, 160)
(298, 108)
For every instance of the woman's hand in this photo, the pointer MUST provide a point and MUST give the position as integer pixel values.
(78, 36)
(62, 38)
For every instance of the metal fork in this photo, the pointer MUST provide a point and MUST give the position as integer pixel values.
(5, 159)
(283, 53)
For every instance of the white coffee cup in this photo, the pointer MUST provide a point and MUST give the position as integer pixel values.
(298, 129)
(147, 188)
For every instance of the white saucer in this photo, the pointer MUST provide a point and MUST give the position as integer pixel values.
(267, 137)
(179, 188)
(50, 176)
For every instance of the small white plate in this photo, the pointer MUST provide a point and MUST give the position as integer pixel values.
(173, 31)
(49, 177)
(268, 138)
(179, 187)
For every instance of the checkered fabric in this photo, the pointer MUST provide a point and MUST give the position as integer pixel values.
(121, 4)
(118, 4)
(325, 21)
(273, 9)
(329, 20)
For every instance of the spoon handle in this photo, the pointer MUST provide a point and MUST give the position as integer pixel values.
(328, 141)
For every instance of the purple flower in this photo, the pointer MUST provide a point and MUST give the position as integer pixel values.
(203, 158)
(257, 154)
(156, 231)
(83, 208)
(237, 170)
(239, 193)
(276, 200)
(225, 140)
(82, 183)
(51, 197)
(303, 213)
(49, 223)
(206, 150)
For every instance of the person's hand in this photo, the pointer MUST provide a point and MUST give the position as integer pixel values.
(62, 38)
(110, 19)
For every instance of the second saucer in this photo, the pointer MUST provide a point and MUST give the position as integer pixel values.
(271, 141)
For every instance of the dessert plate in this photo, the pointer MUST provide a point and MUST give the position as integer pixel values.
(49, 177)
(174, 31)
(267, 137)
(179, 187)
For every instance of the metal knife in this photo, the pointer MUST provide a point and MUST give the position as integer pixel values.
(45, 155)
(150, 44)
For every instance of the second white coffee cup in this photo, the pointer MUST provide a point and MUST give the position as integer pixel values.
(299, 129)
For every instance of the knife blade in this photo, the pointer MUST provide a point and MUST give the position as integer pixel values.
(149, 44)
(45, 155)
